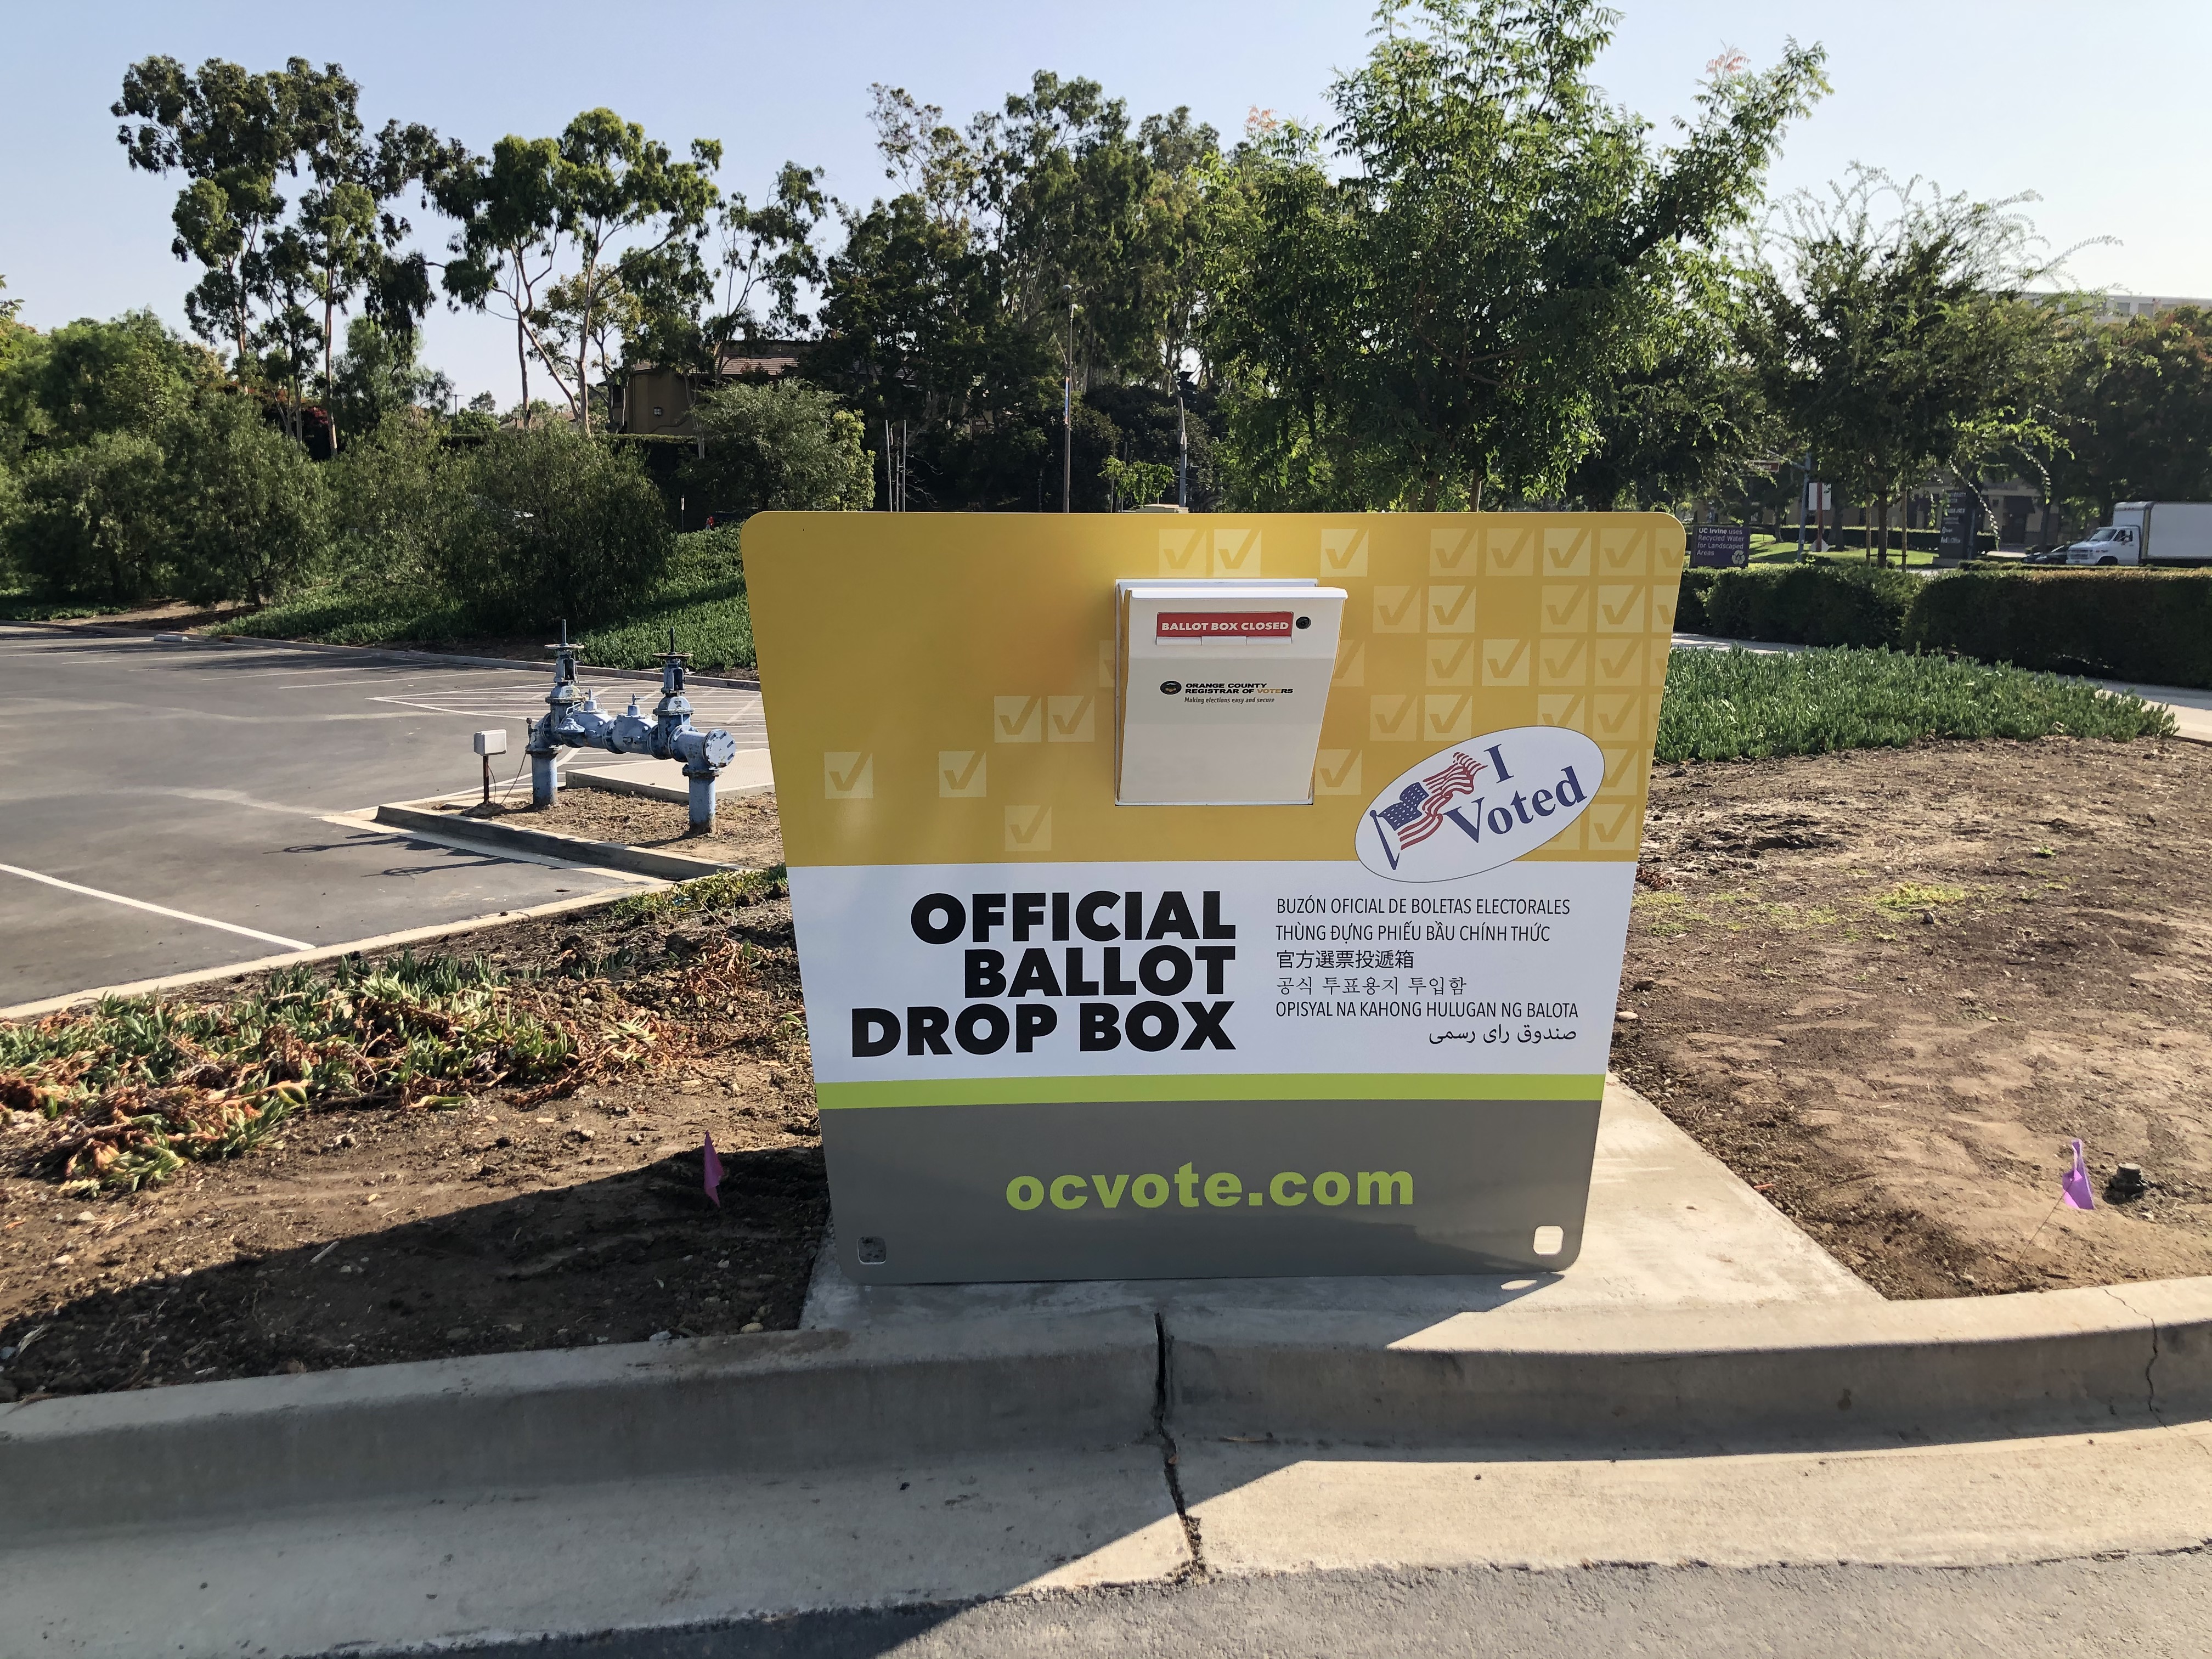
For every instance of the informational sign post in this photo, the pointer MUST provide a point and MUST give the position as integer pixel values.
(1720, 546)
(1360, 1029)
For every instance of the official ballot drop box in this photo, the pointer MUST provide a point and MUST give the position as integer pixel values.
(1210, 895)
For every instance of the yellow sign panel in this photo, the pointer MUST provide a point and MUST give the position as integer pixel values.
(948, 690)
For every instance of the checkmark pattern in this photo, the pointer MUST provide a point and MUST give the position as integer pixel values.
(1336, 772)
(1029, 829)
(962, 774)
(848, 774)
(1454, 625)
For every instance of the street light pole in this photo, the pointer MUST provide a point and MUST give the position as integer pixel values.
(1067, 415)
(1183, 451)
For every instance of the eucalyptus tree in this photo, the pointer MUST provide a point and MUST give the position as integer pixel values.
(279, 271)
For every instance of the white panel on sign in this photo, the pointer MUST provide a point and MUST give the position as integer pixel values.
(1222, 690)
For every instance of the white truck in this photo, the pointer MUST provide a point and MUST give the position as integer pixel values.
(2150, 533)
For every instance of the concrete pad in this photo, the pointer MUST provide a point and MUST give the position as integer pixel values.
(571, 1560)
(1261, 1509)
(1668, 1227)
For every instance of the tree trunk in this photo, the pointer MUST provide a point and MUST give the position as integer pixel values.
(521, 351)
(583, 348)
(330, 318)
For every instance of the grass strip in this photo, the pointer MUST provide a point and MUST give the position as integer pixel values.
(1730, 705)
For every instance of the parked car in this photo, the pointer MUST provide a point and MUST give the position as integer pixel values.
(2150, 533)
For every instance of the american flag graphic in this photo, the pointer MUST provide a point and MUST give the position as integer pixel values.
(1419, 810)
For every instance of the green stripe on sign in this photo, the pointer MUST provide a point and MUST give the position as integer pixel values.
(1359, 1085)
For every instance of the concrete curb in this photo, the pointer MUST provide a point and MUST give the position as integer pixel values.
(2136, 1356)
(1935, 1369)
(796, 1400)
(374, 653)
(573, 849)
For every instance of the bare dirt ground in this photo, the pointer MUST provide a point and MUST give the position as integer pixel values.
(361, 1235)
(745, 830)
(1889, 988)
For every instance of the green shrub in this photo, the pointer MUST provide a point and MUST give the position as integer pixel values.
(785, 445)
(557, 526)
(1690, 615)
(1726, 705)
(1812, 604)
(91, 521)
(247, 506)
(2149, 625)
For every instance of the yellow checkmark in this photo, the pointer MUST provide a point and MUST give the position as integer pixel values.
(1393, 610)
(1506, 662)
(1565, 607)
(1451, 610)
(1452, 662)
(1450, 718)
(1071, 720)
(848, 776)
(1621, 607)
(1343, 777)
(1387, 714)
(1344, 550)
(955, 778)
(1017, 719)
(1623, 663)
(1028, 829)
(1447, 550)
(1350, 663)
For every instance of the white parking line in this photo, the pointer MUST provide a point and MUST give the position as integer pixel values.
(158, 910)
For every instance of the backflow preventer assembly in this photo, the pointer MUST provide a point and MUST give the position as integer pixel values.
(574, 720)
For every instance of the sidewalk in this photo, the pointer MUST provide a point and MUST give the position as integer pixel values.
(2191, 708)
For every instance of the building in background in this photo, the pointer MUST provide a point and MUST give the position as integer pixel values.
(657, 402)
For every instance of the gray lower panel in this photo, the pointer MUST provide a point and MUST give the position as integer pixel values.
(1167, 1189)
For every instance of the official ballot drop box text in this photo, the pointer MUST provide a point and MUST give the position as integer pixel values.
(1334, 995)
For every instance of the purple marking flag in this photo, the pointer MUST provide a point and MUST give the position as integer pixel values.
(2074, 1185)
(714, 1170)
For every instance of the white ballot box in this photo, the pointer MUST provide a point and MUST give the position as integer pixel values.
(1220, 690)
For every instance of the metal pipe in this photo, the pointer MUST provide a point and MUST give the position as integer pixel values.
(574, 720)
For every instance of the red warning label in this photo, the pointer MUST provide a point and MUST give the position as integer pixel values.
(1222, 625)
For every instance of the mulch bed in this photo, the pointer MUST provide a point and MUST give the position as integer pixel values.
(746, 829)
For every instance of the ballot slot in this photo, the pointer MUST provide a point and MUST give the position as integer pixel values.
(1220, 688)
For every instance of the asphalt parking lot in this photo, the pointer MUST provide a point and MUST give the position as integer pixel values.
(167, 808)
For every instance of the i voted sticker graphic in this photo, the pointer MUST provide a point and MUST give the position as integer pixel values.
(1479, 804)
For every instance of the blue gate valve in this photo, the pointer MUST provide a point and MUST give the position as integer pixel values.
(574, 720)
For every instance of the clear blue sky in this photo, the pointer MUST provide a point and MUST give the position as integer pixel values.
(2100, 109)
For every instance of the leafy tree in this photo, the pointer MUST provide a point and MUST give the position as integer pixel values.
(247, 505)
(783, 444)
(1894, 333)
(92, 520)
(1136, 483)
(2135, 405)
(503, 253)
(396, 493)
(1687, 418)
(274, 284)
(558, 525)
(87, 378)
(1444, 319)
(377, 377)
(599, 194)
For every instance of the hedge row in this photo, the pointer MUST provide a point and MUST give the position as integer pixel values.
(2150, 625)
